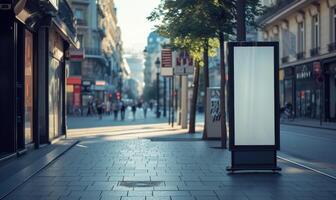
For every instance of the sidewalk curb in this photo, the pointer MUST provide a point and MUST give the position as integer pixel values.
(308, 126)
(21, 177)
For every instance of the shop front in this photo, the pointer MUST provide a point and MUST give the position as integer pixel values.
(308, 93)
(330, 90)
(32, 56)
(286, 86)
(74, 87)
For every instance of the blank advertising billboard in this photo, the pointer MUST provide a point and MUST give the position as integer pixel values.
(254, 93)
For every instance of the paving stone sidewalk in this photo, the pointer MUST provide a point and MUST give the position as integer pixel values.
(103, 169)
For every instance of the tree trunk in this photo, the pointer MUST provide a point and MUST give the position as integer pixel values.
(206, 84)
(222, 93)
(193, 105)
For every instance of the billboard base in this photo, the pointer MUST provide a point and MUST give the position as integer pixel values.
(242, 160)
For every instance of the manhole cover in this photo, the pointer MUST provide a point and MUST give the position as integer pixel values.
(140, 183)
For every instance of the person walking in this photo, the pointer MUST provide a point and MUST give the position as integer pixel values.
(108, 107)
(115, 108)
(100, 109)
(145, 107)
(134, 107)
(90, 108)
(122, 110)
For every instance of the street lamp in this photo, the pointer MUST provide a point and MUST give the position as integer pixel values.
(157, 64)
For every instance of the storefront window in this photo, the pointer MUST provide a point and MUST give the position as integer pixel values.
(28, 71)
(308, 93)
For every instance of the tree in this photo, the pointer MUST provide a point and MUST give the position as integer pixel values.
(202, 20)
(182, 22)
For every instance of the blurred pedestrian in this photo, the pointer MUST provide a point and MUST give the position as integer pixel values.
(115, 108)
(100, 109)
(151, 105)
(145, 107)
(108, 108)
(134, 107)
(122, 110)
(90, 108)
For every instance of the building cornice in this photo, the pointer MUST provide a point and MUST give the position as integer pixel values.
(283, 12)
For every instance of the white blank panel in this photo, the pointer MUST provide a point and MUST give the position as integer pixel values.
(254, 96)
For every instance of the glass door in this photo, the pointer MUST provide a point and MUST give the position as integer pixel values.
(28, 89)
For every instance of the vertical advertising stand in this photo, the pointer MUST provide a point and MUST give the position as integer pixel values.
(253, 102)
(213, 113)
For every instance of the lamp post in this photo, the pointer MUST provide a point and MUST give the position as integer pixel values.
(157, 64)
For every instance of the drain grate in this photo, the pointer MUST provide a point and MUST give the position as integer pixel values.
(132, 184)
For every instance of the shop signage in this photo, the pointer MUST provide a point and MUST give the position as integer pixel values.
(303, 72)
(76, 54)
(100, 83)
(86, 83)
(166, 62)
(253, 105)
(86, 86)
(74, 81)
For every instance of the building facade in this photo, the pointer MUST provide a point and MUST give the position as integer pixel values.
(35, 37)
(96, 71)
(152, 52)
(306, 31)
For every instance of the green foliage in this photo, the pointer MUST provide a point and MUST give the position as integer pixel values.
(191, 24)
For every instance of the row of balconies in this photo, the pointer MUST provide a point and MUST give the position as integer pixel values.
(313, 52)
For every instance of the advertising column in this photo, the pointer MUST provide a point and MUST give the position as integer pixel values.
(253, 105)
(213, 113)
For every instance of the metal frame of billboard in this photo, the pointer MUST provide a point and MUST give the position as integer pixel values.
(252, 157)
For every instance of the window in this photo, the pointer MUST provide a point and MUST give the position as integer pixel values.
(334, 24)
(316, 31)
(285, 43)
(301, 37)
(75, 69)
(79, 14)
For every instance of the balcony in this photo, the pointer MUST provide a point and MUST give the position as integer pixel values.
(100, 8)
(315, 51)
(300, 55)
(285, 59)
(332, 47)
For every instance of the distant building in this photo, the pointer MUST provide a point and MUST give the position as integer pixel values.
(136, 64)
(152, 52)
(306, 31)
(98, 71)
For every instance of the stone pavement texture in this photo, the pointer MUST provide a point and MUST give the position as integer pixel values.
(101, 167)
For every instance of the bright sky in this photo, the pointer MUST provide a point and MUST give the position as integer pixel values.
(134, 25)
